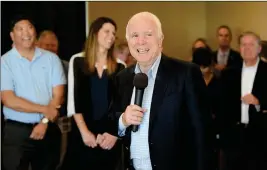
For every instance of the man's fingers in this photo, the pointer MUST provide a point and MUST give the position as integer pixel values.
(137, 108)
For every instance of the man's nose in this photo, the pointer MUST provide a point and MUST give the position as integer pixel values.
(141, 40)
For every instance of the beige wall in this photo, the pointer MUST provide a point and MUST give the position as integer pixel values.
(180, 24)
(183, 22)
(240, 16)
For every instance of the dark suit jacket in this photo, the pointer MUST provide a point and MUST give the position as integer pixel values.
(234, 58)
(230, 111)
(179, 115)
(82, 96)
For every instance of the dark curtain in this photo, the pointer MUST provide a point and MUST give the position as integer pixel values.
(66, 19)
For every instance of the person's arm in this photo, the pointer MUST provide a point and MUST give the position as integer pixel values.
(58, 82)
(19, 104)
(9, 98)
(200, 113)
(87, 136)
(116, 126)
(78, 117)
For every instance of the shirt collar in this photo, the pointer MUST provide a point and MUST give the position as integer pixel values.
(104, 66)
(152, 72)
(226, 53)
(252, 67)
(37, 53)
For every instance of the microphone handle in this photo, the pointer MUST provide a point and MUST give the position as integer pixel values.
(138, 101)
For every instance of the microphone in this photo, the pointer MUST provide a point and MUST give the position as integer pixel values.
(140, 83)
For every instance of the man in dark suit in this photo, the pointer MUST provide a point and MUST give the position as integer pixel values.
(243, 113)
(225, 56)
(175, 111)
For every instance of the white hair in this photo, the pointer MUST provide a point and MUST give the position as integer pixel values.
(146, 15)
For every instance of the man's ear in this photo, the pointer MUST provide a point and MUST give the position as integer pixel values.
(11, 36)
(161, 40)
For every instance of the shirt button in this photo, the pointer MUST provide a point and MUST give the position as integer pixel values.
(154, 165)
(151, 143)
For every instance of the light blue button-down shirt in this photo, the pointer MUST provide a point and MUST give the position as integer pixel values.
(32, 80)
(139, 148)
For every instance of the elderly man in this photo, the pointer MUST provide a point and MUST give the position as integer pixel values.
(49, 41)
(243, 109)
(171, 119)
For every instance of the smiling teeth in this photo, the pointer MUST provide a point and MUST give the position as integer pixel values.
(142, 50)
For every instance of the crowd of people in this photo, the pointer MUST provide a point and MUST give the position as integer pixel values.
(206, 114)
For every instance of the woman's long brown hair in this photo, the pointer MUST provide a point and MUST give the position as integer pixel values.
(91, 47)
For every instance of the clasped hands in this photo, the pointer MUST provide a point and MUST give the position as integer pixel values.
(105, 140)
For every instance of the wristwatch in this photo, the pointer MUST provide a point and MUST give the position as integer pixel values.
(45, 120)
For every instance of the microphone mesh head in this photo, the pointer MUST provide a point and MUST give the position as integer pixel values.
(140, 81)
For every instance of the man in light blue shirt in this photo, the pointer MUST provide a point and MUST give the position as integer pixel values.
(32, 89)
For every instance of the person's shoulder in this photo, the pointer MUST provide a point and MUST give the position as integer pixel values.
(264, 64)
(121, 62)
(77, 59)
(120, 67)
(234, 52)
(176, 64)
(230, 71)
(8, 55)
(126, 71)
(45, 53)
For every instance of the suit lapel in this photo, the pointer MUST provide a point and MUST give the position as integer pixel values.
(257, 84)
(160, 87)
(128, 87)
(239, 89)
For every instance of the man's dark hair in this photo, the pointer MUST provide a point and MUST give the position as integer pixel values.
(225, 27)
(18, 18)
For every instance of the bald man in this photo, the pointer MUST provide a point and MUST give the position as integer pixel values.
(49, 41)
(171, 132)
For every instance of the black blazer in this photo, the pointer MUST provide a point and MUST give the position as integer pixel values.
(234, 59)
(82, 95)
(179, 115)
(230, 110)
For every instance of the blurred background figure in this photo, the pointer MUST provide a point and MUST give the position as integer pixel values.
(122, 53)
(203, 58)
(48, 40)
(225, 56)
(263, 53)
(199, 43)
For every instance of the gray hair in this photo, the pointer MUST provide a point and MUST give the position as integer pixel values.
(148, 15)
(249, 33)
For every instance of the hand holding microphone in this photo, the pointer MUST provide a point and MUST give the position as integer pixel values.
(133, 114)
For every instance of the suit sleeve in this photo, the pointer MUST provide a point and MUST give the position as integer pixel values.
(114, 111)
(200, 112)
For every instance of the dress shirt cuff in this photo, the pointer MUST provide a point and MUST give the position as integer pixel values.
(122, 128)
(258, 108)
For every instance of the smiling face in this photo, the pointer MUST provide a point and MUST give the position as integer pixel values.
(144, 41)
(106, 36)
(23, 35)
(249, 47)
